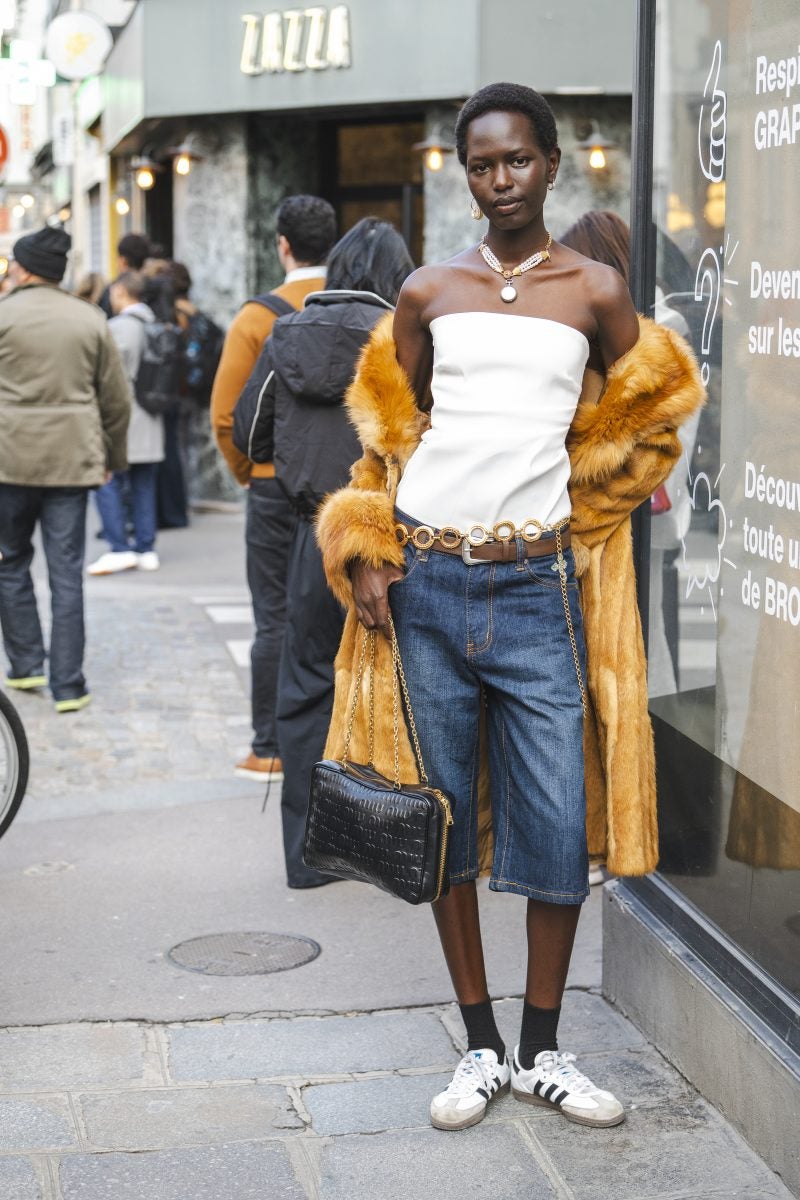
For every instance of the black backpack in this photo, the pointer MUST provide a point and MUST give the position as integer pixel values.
(248, 437)
(202, 352)
(158, 380)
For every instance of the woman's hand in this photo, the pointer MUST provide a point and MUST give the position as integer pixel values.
(371, 593)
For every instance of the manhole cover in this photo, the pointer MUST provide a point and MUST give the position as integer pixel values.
(244, 953)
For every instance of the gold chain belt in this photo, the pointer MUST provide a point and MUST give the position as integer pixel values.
(425, 537)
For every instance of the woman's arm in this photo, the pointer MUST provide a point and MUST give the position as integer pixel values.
(617, 322)
(412, 336)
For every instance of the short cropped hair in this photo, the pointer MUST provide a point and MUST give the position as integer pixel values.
(309, 225)
(133, 282)
(508, 97)
(134, 248)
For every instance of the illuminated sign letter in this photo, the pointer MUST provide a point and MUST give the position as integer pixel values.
(292, 59)
(272, 44)
(339, 37)
(249, 63)
(315, 58)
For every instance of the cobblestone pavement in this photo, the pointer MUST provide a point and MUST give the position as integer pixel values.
(269, 1104)
(335, 1108)
(167, 703)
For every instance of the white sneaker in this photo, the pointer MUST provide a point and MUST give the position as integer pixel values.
(148, 561)
(112, 562)
(479, 1077)
(555, 1083)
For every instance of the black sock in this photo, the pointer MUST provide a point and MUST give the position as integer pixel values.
(539, 1026)
(482, 1031)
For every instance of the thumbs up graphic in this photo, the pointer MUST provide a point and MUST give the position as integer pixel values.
(712, 127)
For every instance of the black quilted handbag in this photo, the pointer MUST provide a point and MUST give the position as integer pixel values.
(366, 827)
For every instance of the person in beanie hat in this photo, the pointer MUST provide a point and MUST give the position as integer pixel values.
(44, 253)
(64, 409)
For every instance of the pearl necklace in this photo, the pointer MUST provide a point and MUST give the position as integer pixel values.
(508, 293)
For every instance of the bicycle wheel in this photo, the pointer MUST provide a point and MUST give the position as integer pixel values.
(14, 762)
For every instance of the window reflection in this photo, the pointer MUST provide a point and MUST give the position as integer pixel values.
(724, 652)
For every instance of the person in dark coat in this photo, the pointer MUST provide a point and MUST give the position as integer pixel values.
(304, 370)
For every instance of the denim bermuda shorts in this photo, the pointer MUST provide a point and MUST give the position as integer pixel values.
(495, 634)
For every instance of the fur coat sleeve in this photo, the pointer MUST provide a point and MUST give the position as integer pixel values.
(622, 444)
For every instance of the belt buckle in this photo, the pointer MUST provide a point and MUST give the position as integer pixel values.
(466, 555)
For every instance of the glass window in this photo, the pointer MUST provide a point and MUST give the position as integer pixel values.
(724, 621)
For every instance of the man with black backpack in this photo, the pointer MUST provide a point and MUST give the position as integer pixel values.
(151, 354)
(306, 231)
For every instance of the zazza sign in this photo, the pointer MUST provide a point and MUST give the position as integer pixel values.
(297, 39)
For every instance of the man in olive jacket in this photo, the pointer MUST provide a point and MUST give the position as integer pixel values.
(64, 408)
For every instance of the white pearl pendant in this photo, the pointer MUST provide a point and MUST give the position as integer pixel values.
(508, 293)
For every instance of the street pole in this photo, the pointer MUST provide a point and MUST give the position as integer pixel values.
(643, 245)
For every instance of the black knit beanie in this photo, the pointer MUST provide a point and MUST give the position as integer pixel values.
(44, 253)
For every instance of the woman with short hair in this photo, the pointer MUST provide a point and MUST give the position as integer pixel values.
(518, 470)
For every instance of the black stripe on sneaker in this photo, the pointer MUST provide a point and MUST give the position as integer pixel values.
(538, 1087)
(482, 1092)
(549, 1090)
(559, 1097)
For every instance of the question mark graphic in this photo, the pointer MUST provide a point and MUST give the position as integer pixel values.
(707, 286)
(712, 157)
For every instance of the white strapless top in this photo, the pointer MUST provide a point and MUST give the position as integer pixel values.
(505, 389)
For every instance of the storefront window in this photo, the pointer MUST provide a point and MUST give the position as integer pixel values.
(724, 620)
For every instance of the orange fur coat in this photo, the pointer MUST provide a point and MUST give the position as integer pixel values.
(622, 444)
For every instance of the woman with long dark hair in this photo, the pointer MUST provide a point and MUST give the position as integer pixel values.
(301, 376)
(474, 555)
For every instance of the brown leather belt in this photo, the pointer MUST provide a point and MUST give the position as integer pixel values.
(495, 551)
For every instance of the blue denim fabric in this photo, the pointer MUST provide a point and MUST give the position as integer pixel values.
(138, 482)
(495, 634)
(61, 513)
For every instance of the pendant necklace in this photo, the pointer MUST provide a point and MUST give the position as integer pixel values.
(508, 292)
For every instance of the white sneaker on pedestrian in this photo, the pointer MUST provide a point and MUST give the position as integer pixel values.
(112, 562)
(148, 561)
(555, 1082)
(479, 1077)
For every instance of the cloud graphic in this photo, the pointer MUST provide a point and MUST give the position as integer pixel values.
(704, 500)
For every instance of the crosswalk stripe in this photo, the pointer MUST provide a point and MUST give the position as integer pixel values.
(230, 614)
(239, 650)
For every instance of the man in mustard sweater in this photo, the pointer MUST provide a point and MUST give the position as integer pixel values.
(306, 231)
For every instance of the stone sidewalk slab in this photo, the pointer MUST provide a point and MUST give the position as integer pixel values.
(18, 1180)
(41, 1124)
(61, 1058)
(494, 1161)
(168, 1118)
(403, 1102)
(588, 1023)
(671, 1149)
(373, 1105)
(243, 1172)
(309, 1048)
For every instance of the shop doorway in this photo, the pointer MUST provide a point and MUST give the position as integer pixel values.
(376, 172)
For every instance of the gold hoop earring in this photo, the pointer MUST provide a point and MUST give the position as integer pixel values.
(477, 215)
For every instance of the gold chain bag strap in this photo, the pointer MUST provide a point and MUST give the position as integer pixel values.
(366, 827)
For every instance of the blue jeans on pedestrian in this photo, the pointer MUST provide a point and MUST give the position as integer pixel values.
(269, 529)
(492, 640)
(61, 513)
(139, 483)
